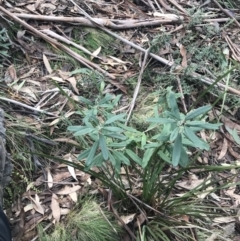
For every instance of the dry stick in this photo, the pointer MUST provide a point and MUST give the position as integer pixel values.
(178, 6)
(67, 41)
(26, 106)
(219, 20)
(136, 91)
(160, 59)
(210, 81)
(182, 96)
(165, 5)
(116, 24)
(227, 13)
(53, 42)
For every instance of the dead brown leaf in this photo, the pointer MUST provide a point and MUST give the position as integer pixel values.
(55, 207)
(223, 149)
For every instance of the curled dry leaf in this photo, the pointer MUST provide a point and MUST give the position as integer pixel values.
(71, 169)
(129, 218)
(47, 64)
(65, 211)
(73, 82)
(183, 52)
(37, 205)
(49, 178)
(11, 74)
(96, 53)
(73, 196)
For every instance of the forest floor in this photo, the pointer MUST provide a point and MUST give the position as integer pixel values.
(63, 59)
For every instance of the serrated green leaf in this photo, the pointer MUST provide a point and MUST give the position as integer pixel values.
(103, 147)
(107, 98)
(112, 129)
(75, 128)
(117, 144)
(112, 159)
(203, 125)
(127, 128)
(97, 160)
(174, 134)
(197, 112)
(83, 132)
(116, 136)
(169, 114)
(115, 118)
(164, 157)
(184, 158)
(147, 156)
(85, 101)
(109, 106)
(152, 145)
(195, 139)
(83, 154)
(134, 157)
(92, 153)
(119, 155)
(173, 105)
(144, 140)
(177, 149)
(161, 120)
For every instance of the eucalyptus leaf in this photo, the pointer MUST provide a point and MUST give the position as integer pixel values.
(92, 153)
(197, 112)
(177, 149)
(103, 147)
(134, 157)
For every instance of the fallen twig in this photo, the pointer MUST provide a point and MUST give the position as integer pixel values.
(136, 91)
(27, 106)
(116, 24)
(67, 41)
